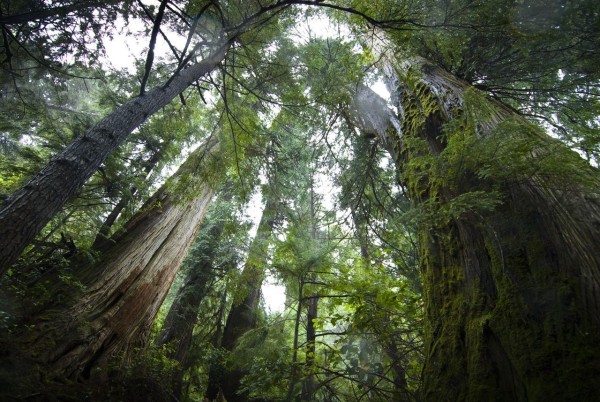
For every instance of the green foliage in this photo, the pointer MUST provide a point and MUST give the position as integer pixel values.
(275, 109)
(383, 317)
(330, 67)
(149, 363)
(532, 55)
(140, 377)
(266, 364)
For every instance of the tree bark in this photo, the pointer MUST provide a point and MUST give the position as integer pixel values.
(182, 317)
(512, 295)
(294, 363)
(243, 315)
(30, 208)
(124, 291)
(308, 386)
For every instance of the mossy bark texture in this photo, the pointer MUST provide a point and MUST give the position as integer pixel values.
(512, 287)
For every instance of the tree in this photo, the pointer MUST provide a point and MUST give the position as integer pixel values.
(25, 213)
(534, 56)
(244, 312)
(66, 173)
(178, 326)
(489, 230)
(492, 259)
(122, 293)
(506, 215)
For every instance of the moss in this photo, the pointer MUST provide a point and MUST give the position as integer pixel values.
(505, 319)
(535, 318)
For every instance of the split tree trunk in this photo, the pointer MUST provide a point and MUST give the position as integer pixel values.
(512, 295)
(30, 208)
(124, 291)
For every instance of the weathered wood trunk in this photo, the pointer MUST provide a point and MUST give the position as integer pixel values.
(244, 314)
(124, 291)
(512, 292)
(30, 208)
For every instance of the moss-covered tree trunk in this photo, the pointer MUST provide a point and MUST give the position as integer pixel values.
(113, 314)
(512, 291)
(509, 229)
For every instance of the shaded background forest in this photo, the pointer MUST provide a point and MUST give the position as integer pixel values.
(434, 240)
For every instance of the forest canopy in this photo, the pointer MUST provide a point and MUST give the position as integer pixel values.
(418, 177)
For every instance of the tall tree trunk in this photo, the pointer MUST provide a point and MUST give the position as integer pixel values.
(512, 294)
(30, 208)
(294, 365)
(182, 317)
(244, 314)
(308, 387)
(124, 291)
